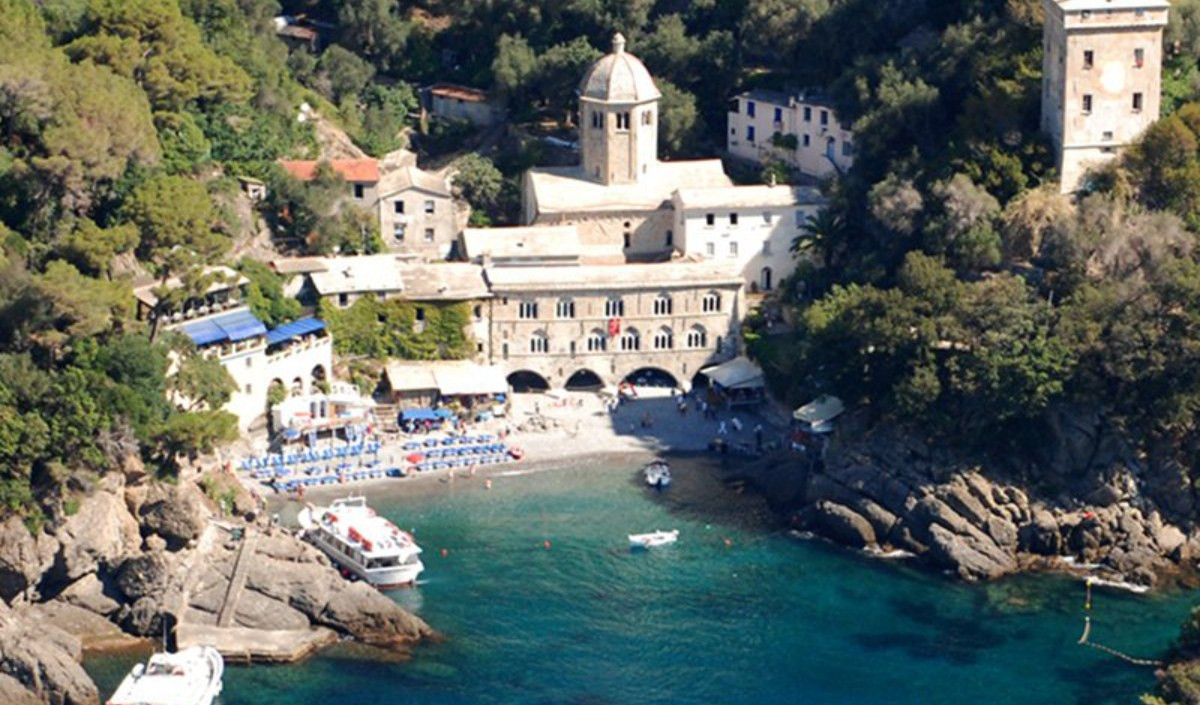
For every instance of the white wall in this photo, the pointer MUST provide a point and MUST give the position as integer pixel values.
(749, 234)
(253, 370)
(809, 158)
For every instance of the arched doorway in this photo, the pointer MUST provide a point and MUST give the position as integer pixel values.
(318, 375)
(584, 380)
(525, 381)
(297, 386)
(765, 279)
(830, 148)
(651, 377)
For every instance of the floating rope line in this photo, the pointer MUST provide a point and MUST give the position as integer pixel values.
(1087, 631)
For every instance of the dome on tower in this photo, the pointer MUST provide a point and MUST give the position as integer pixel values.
(619, 78)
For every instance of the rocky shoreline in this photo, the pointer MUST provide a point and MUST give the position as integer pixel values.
(882, 488)
(138, 556)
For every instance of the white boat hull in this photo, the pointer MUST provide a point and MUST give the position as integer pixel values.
(653, 539)
(381, 578)
(657, 474)
(199, 684)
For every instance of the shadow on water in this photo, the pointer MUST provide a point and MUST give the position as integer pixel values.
(960, 640)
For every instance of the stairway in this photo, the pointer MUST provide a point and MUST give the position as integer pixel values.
(237, 581)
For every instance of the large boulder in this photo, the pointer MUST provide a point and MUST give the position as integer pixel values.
(23, 558)
(146, 575)
(844, 525)
(45, 660)
(91, 594)
(99, 535)
(363, 612)
(178, 514)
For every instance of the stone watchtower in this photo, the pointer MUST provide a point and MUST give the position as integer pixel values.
(1101, 78)
(618, 118)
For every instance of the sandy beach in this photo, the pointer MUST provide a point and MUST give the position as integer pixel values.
(570, 428)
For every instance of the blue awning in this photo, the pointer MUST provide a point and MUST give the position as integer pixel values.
(418, 415)
(287, 331)
(230, 327)
(204, 332)
(241, 325)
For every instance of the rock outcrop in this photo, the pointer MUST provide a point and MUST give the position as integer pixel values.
(885, 489)
(136, 559)
(44, 660)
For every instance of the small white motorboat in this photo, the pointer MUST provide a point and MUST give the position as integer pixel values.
(657, 473)
(654, 538)
(189, 677)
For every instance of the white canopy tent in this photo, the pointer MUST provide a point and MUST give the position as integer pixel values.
(738, 373)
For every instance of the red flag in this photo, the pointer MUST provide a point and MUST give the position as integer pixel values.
(614, 327)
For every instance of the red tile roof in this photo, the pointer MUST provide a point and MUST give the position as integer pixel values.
(465, 93)
(353, 170)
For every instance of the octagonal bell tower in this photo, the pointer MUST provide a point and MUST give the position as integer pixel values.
(618, 118)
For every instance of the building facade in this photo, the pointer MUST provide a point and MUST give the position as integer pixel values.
(296, 355)
(799, 129)
(1101, 79)
(450, 101)
(754, 237)
(560, 323)
(417, 213)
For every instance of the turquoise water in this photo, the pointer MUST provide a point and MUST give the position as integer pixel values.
(735, 612)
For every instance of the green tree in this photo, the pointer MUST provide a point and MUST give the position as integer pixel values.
(92, 248)
(341, 74)
(477, 180)
(173, 212)
(202, 383)
(514, 67)
(183, 142)
(265, 294)
(678, 127)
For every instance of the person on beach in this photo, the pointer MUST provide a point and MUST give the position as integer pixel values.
(722, 430)
(758, 436)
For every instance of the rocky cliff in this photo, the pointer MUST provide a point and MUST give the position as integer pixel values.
(1086, 502)
(145, 556)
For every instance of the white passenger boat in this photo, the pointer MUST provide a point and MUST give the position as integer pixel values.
(658, 474)
(362, 543)
(654, 538)
(189, 677)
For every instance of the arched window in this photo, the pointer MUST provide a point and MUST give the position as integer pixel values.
(662, 305)
(539, 343)
(765, 279)
(614, 307)
(597, 341)
(631, 340)
(711, 302)
(697, 337)
(663, 339)
(565, 308)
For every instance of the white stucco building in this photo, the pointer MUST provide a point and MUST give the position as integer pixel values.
(799, 129)
(1101, 78)
(296, 355)
(754, 237)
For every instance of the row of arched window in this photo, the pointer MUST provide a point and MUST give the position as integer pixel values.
(628, 340)
(614, 306)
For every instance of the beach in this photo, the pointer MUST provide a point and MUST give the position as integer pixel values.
(569, 428)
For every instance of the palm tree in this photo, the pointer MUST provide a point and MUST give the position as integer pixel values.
(821, 233)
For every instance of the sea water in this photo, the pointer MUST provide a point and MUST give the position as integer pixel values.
(541, 602)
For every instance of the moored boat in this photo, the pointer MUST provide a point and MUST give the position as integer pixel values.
(362, 543)
(657, 473)
(654, 538)
(189, 677)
